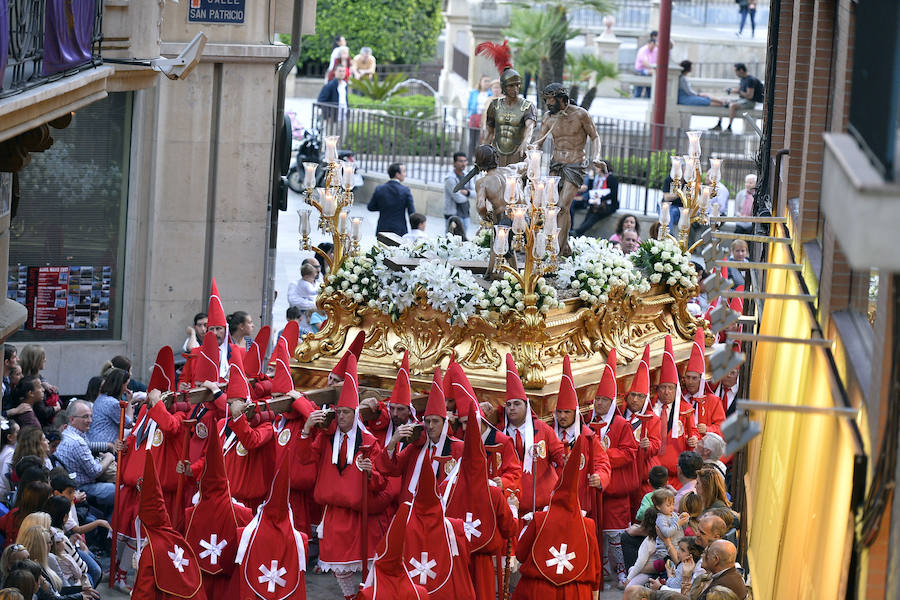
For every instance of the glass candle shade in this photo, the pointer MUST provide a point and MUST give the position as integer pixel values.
(694, 143)
(331, 142)
(309, 178)
(304, 222)
(501, 239)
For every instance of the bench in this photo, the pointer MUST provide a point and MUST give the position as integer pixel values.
(628, 78)
(687, 111)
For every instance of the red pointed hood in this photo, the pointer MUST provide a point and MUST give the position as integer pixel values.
(162, 377)
(697, 363)
(470, 498)
(389, 579)
(402, 391)
(561, 549)
(291, 333)
(668, 373)
(356, 348)
(350, 391)
(737, 304)
(282, 382)
(175, 566)
(206, 365)
(216, 311)
(437, 404)
(641, 382)
(514, 388)
(214, 515)
(255, 357)
(446, 385)
(609, 388)
(567, 398)
(430, 548)
(271, 552)
(238, 386)
(460, 390)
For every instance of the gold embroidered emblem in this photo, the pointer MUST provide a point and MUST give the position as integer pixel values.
(241, 451)
(448, 466)
(284, 437)
(605, 442)
(157, 438)
(201, 431)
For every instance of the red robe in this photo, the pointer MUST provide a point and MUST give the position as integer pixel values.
(600, 467)
(708, 410)
(303, 475)
(547, 468)
(668, 456)
(249, 460)
(339, 491)
(402, 464)
(646, 457)
(623, 481)
(223, 586)
(502, 459)
(484, 572)
(533, 585)
(145, 588)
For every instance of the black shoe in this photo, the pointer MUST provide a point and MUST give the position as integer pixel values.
(718, 127)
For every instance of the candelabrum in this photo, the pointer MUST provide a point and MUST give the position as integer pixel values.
(332, 202)
(687, 184)
(531, 206)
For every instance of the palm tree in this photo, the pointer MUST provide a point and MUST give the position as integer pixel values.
(541, 34)
(588, 69)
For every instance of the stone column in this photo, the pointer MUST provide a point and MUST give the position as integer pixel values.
(673, 118)
(607, 48)
(489, 19)
(454, 87)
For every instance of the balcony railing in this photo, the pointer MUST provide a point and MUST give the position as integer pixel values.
(45, 40)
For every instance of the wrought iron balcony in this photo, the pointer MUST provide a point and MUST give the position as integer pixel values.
(45, 40)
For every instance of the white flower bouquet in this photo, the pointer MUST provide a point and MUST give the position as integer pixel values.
(595, 268)
(662, 261)
(506, 294)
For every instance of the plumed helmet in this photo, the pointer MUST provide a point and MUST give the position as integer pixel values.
(509, 76)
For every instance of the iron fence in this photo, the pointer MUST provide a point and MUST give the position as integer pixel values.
(428, 72)
(635, 14)
(426, 147)
(708, 70)
(36, 26)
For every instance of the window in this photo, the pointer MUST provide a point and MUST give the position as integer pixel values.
(67, 240)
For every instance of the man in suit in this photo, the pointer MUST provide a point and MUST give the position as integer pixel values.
(391, 200)
(334, 93)
(602, 197)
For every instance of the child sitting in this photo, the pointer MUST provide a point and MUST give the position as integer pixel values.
(687, 546)
(668, 524)
(640, 573)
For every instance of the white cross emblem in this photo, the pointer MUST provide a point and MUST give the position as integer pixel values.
(471, 527)
(213, 548)
(560, 559)
(423, 570)
(178, 558)
(272, 576)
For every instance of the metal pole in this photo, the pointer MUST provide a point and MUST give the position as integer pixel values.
(662, 73)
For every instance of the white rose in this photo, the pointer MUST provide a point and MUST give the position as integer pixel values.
(584, 295)
(671, 281)
(658, 267)
(345, 284)
(655, 249)
(484, 303)
(520, 306)
(667, 268)
(655, 278)
(504, 309)
(358, 298)
(545, 309)
(666, 255)
(498, 301)
(329, 290)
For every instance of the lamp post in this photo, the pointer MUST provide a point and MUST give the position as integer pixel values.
(332, 202)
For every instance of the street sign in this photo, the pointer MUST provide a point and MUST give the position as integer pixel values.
(217, 11)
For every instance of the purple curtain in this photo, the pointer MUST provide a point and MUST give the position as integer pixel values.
(68, 29)
(4, 37)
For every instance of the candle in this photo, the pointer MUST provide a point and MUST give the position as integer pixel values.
(551, 192)
(501, 234)
(509, 194)
(347, 172)
(539, 249)
(534, 164)
(694, 142)
(550, 213)
(704, 198)
(676, 172)
(309, 180)
(664, 215)
(715, 169)
(331, 148)
(685, 221)
(304, 222)
(329, 204)
(354, 228)
(715, 209)
(518, 218)
(690, 170)
(342, 222)
(554, 241)
(537, 198)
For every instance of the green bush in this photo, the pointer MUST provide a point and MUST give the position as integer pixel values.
(416, 106)
(399, 31)
(636, 167)
(400, 137)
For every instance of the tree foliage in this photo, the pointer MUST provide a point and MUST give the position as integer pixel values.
(397, 31)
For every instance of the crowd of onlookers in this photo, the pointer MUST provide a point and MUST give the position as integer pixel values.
(57, 476)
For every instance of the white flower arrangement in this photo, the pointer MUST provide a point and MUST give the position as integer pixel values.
(595, 268)
(663, 261)
(367, 281)
(506, 295)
